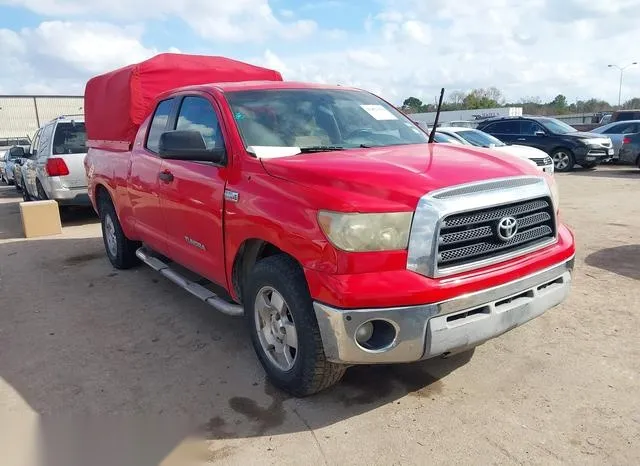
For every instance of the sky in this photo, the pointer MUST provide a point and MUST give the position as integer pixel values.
(395, 48)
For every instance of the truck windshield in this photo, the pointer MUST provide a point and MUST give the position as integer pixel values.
(70, 138)
(316, 118)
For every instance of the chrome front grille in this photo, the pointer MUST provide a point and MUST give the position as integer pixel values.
(470, 237)
(542, 161)
(454, 229)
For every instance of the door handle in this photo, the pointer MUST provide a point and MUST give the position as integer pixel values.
(166, 176)
(521, 139)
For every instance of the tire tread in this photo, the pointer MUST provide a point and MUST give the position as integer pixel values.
(318, 373)
(126, 257)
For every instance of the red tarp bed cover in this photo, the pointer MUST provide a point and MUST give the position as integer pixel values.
(116, 103)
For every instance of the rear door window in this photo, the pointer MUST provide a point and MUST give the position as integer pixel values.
(70, 138)
(34, 144)
(158, 124)
(44, 143)
(504, 127)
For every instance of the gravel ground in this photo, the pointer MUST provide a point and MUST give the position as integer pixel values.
(129, 369)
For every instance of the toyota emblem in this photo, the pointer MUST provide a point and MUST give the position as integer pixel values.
(507, 228)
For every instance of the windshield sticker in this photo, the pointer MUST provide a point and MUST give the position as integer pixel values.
(273, 152)
(238, 116)
(378, 112)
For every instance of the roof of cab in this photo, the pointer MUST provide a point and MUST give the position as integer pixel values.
(257, 86)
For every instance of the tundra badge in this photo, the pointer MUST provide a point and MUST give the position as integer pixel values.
(195, 243)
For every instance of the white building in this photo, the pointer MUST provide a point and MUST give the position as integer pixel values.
(465, 115)
(22, 115)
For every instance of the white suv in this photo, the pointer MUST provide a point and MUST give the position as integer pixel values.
(55, 169)
(479, 138)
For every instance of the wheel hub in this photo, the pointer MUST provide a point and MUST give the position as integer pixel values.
(276, 329)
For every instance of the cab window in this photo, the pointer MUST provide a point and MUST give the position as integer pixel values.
(197, 114)
(158, 125)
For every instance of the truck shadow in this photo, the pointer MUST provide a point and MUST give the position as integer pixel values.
(86, 338)
(622, 260)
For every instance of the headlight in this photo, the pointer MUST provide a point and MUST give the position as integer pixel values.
(366, 232)
(555, 194)
(593, 141)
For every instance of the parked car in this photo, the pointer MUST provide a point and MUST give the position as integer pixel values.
(7, 162)
(6, 143)
(630, 150)
(447, 139)
(55, 168)
(616, 132)
(479, 138)
(461, 123)
(321, 214)
(563, 143)
(3, 164)
(625, 115)
(21, 156)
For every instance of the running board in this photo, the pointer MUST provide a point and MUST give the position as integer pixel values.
(195, 289)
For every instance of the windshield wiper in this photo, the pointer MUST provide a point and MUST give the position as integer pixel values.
(306, 150)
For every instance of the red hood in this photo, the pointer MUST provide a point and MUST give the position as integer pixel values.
(391, 178)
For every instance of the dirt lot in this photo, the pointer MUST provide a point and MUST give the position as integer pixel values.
(80, 338)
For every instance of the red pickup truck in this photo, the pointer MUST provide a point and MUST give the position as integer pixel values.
(319, 213)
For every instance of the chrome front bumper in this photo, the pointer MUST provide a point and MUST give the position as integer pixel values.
(430, 330)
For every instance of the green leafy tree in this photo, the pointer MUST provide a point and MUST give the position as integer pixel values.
(559, 103)
(412, 105)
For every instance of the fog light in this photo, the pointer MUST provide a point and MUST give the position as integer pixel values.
(364, 332)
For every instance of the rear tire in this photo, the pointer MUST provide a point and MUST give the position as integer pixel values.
(563, 160)
(26, 197)
(121, 251)
(42, 195)
(277, 287)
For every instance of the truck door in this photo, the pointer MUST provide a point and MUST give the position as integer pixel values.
(192, 195)
(144, 182)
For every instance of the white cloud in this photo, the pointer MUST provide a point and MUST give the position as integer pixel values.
(235, 21)
(400, 48)
(367, 59)
(417, 30)
(58, 56)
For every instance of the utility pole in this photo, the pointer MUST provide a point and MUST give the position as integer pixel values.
(621, 68)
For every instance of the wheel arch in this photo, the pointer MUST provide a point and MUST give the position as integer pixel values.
(250, 252)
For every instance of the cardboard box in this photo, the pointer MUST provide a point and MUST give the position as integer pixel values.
(40, 218)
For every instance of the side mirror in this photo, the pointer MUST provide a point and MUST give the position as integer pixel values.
(189, 146)
(540, 133)
(16, 152)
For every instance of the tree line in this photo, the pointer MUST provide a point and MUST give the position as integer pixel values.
(492, 97)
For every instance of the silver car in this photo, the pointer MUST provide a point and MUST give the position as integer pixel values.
(616, 132)
(55, 169)
(8, 160)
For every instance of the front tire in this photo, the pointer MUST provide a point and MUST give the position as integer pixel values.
(121, 251)
(279, 315)
(563, 160)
